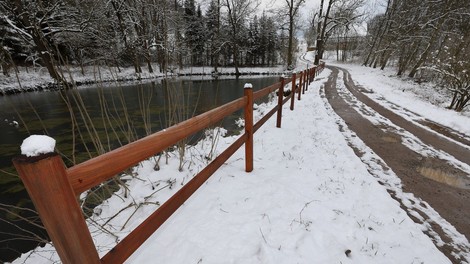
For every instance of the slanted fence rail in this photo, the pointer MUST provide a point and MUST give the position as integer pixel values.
(54, 189)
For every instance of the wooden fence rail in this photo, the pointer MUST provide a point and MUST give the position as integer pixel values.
(54, 189)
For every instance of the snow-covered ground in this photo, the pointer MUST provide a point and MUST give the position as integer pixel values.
(309, 199)
(423, 100)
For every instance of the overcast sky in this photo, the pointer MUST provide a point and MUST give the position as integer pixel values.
(371, 8)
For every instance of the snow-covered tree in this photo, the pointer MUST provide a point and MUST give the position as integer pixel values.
(214, 41)
(340, 17)
(291, 8)
(424, 36)
(42, 24)
(237, 15)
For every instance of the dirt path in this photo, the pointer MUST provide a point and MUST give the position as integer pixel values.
(443, 186)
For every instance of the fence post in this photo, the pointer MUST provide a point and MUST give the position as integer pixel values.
(46, 181)
(310, 75)
(248, 92)
(292, 92)
(300, 84)
(280, 98)
(305, 81)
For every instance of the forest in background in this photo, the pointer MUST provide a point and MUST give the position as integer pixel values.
(424, 40)
(123, 33)
(170, 33)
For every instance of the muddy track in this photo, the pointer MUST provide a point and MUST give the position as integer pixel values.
(443, 186)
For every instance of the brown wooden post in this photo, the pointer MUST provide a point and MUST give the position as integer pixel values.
(304, 73)
(300, 84)
(309, 75)
(46, 181)
(305, 81)
(293, 92)
(248, 92)
(280, 98)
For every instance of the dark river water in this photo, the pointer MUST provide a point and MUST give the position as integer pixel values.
(90, 120)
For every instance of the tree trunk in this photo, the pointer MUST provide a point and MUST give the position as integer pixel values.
(462, 102)
(378, 39)
(46, 55)
(454, 100)
(426, 52)
(385, 60)
(420, 62)
(291, 40)
(235, 59)
(321, 39)
(149, 64)
(405, 59)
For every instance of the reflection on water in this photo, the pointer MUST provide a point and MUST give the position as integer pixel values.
(91, 120)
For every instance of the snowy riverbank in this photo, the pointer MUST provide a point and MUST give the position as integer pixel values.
(37, 79)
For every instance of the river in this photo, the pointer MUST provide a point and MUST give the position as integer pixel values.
(90, 120)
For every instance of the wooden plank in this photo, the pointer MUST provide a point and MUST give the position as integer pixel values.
(94, 171)
(264, 119)
(265, 91)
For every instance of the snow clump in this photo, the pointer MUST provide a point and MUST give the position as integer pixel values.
(36, 145)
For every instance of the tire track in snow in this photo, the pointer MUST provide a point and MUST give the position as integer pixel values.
(421, 196)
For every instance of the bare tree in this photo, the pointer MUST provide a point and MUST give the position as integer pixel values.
(39, 22)
(292, 7)
(322, 30)
(340, 17)
(429, 39)
(310, 32)
(238, 12)
(213, 32)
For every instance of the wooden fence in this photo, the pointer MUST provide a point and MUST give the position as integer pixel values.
(54, 189)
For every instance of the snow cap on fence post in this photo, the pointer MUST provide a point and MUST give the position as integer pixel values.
(36, 145)
(248, 86)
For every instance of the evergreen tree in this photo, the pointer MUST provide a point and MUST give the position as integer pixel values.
(213, 33)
